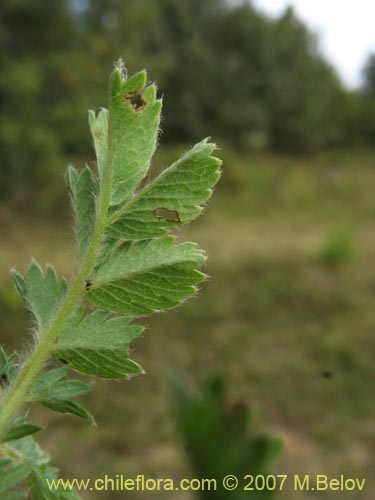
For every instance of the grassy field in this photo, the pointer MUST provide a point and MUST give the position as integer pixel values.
(286, 317)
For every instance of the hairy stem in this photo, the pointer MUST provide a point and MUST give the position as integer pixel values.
(17, 394)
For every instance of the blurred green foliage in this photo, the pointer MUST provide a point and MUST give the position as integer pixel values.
(228, 71)
(337, 250)
(219, 439)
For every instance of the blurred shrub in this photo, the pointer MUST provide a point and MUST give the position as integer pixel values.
(337, 251)
(219, 440)
(36, 42)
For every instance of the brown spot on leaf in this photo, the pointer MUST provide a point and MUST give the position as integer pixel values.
(135, 100)
(167, 215)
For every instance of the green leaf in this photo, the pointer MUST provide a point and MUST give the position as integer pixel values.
(49, 378)
(19, 430)
(133, 132)
(13, 475)
(98, 330)
(36, 468)
(99, 345)
(175, 197)
(82, 187)
(39, 489)
(108, 245)
(42, 292)
(42, 485)
(29, 450)
(20, 283)
(60, 391)
(69, 407)
(50, 386)
(142, 277)
(99, 131)
(100, 362)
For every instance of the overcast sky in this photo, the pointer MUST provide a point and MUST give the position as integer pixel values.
(346, 29)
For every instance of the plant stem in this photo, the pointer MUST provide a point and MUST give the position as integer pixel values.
(17, 394)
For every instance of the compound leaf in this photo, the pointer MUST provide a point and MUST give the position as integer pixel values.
(128, 265)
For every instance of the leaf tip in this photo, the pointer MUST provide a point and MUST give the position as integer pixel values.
(92, 118)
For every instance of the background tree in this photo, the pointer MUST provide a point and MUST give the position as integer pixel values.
(369, 76)
(250, 80)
